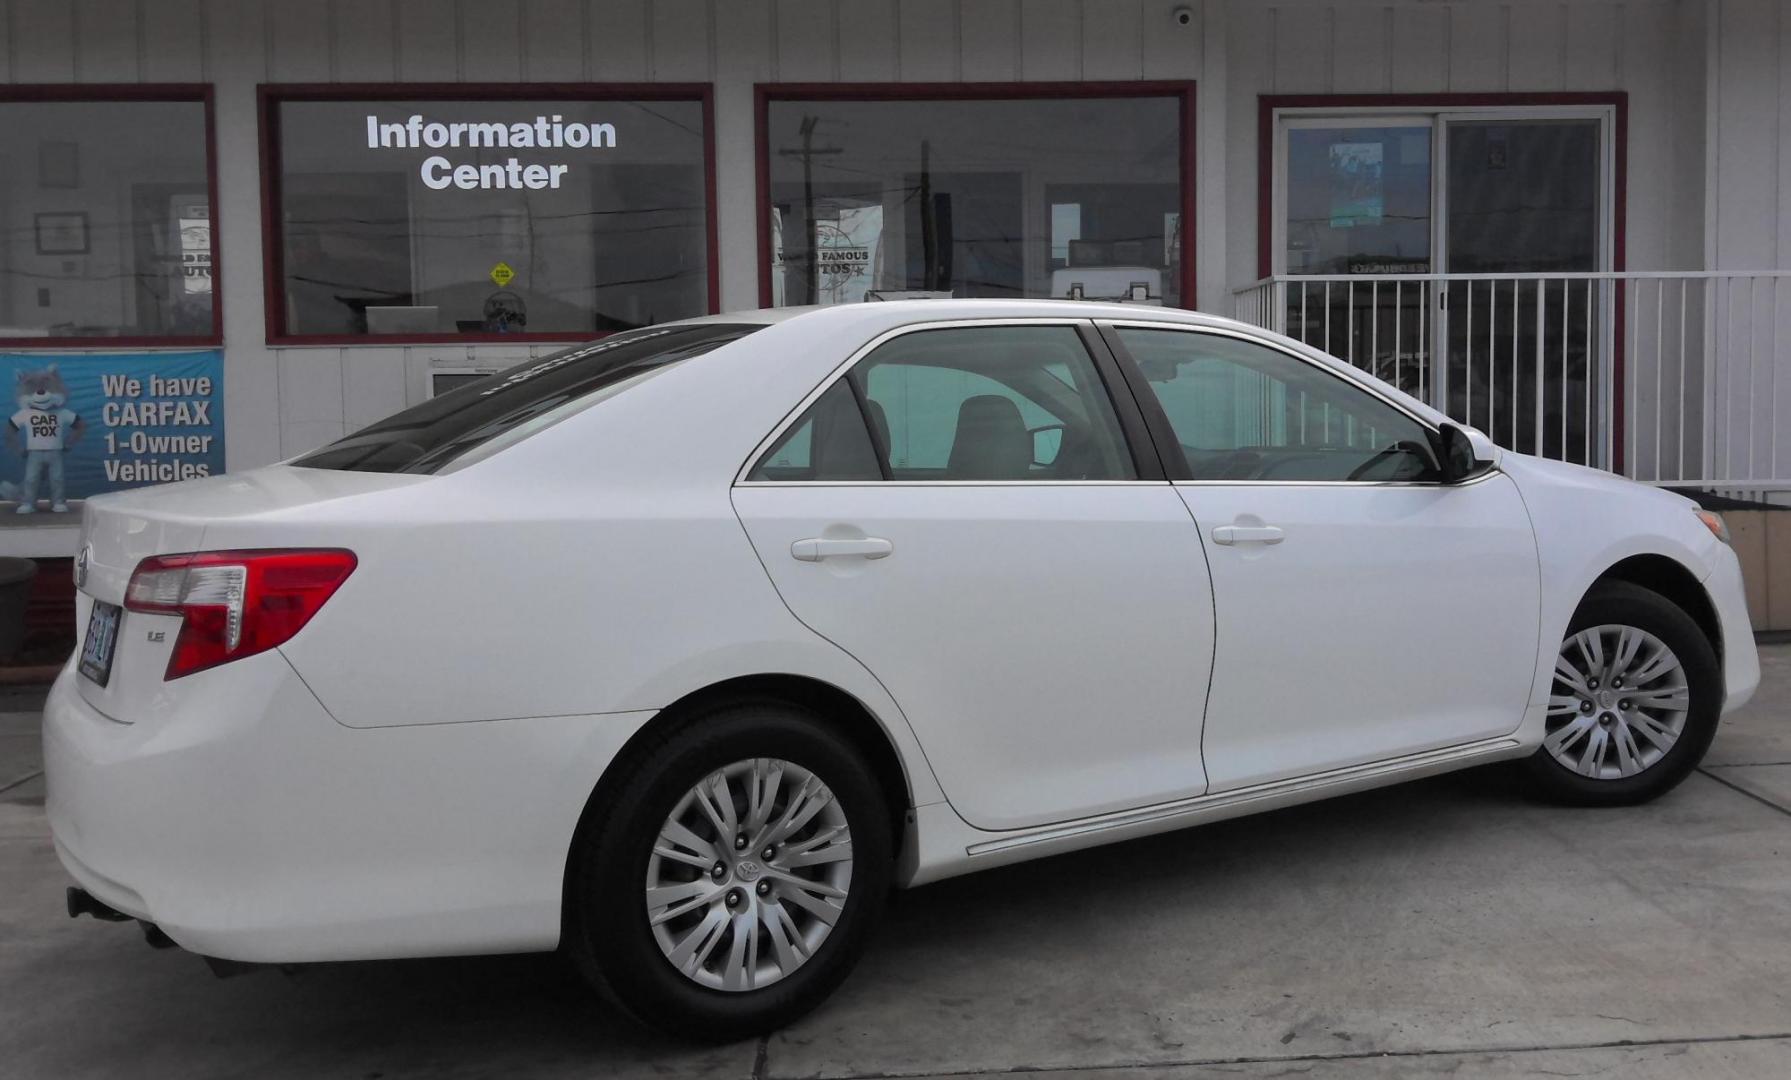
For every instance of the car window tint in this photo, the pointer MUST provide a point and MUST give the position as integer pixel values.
(527, 397)
(830, 442)
(992, 403)
(1244, 411)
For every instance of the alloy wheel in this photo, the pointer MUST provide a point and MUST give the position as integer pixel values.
(749, 874)
(1619, 702)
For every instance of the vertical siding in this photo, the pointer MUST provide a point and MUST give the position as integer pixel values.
(43, 45)
(1750, 132)
(1748, 224)
(1314, 47)
(110, 45)
(1112, 39)
(553, 40)
(280, 401)
(428, 46)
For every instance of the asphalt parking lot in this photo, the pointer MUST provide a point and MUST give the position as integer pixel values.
(1446, 927)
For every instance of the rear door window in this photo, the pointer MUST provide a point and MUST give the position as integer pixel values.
(427, 437)
(992, 403)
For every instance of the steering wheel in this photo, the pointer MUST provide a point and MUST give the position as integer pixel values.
(1403, 446)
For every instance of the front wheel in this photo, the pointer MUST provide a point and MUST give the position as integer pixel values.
(730, 884)
(1636, 699)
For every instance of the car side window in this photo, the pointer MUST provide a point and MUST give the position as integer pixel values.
(1245, 411)
(830, 442)
(991, 403)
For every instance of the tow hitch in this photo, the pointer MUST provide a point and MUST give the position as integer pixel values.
(81, 902)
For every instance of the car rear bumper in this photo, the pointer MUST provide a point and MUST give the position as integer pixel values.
(251, 826)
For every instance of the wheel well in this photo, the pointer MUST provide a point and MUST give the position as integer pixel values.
(1660, 574)
(855, 722)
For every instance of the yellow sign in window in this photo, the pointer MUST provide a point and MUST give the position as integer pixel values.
(502, 275)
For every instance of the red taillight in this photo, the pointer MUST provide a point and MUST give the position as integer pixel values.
(234, 604)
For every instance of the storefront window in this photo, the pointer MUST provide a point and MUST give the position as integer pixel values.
(422, 218)
(107, 210)
(1038, 196)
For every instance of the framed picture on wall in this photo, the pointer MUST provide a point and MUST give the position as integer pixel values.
(62, 233)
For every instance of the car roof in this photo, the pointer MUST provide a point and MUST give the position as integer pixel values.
(900, 311)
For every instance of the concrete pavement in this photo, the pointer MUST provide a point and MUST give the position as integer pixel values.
(1446, 927)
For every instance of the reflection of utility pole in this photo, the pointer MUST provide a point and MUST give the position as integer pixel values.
(811, 292)
(929, 230)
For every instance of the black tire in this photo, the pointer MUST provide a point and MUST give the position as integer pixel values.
(1620, 603)
(607, 930)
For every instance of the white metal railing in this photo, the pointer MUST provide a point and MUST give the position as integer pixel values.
(1680, 378)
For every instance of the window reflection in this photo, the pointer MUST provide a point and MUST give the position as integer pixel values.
(1037, 197)
(106, 208)
(491, 217)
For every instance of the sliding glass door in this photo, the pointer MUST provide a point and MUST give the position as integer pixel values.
(1371, 204)
(1523, 196)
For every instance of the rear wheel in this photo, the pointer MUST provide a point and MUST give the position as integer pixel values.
(1636, 698)
(731, 882)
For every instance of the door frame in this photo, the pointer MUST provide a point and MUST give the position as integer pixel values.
(1611, 108)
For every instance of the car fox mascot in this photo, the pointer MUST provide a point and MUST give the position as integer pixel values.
(44, 429)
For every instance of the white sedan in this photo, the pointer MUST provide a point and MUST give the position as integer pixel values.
(675, 651)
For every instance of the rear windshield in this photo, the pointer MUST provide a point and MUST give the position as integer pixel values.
(428, 437)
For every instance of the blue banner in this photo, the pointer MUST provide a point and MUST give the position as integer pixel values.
(87, 424)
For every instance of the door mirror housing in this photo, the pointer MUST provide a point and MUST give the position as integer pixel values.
(1463, 457)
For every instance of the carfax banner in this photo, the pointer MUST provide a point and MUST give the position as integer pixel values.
(83, 425)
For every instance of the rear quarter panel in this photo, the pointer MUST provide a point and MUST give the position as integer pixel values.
(595, 567)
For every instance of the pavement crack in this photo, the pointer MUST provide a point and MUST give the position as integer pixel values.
(1747, 764)
(21, 781)
(1296, 1059)
(1761, 799)
(761, 1057)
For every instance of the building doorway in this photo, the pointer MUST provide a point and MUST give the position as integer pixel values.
(1439, 248)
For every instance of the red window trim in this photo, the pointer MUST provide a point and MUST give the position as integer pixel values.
(1269, 104)
(765, 93)
(270, 95)
(1616, 100)
(118, 92)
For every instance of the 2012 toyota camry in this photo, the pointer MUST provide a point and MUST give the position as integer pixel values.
(675, 651)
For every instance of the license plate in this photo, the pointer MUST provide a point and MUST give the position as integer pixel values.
(102, 638)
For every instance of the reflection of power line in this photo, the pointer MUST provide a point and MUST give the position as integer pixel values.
(808, 152)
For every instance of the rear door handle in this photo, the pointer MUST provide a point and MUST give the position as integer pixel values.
(818, 548)
(1248, 534)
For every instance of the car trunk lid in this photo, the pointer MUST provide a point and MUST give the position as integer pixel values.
(120, 530)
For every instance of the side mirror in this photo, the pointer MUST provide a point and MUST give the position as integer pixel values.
(1047, 442)
(1461, 458)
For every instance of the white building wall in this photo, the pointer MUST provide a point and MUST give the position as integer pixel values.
(1748, 227)
(1749, 116)
(280, 401)
(1479, 46)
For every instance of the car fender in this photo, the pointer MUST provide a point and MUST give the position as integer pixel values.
(1586, 522)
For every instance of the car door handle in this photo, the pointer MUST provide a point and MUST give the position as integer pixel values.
(1248, 534)
(817, 548)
